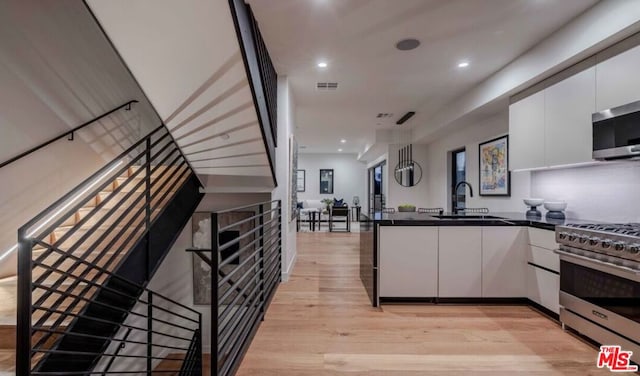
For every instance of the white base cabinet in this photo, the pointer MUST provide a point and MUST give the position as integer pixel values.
(503, 262)
(543, 287)
(460, 262)
(408, 261)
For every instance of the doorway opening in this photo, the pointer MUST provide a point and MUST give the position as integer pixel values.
(376, 188)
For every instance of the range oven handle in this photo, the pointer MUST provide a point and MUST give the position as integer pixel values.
(606, 267)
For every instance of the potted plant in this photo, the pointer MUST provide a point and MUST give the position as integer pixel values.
(328, 202)
(406, 208)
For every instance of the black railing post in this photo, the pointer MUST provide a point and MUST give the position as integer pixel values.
(215, 305)
(148, 205)
(23, 323)
(149, 332)
(261, 244)
(199, 349)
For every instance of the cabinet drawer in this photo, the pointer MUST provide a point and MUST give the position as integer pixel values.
(543, 287)
(542, 238)
(543, 257)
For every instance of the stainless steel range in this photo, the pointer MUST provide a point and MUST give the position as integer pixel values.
(600, 282)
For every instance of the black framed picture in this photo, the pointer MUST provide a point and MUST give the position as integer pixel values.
(326, 181)
(300, 180)
(493, 156)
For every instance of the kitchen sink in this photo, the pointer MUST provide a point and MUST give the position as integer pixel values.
(467, 216)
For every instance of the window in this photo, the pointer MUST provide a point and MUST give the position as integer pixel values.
(458, 174)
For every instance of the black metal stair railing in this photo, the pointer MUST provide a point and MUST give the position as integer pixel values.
(248, 269)
(85, 261)
(263, 78)
(158, 329)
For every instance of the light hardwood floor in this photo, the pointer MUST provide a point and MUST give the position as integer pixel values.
(321, 323)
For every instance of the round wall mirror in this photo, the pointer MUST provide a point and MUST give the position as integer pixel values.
(408, 173)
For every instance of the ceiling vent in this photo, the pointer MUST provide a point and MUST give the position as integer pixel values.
(327, 86)
(384, 115)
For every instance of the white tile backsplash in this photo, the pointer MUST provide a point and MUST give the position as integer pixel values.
(606, 192)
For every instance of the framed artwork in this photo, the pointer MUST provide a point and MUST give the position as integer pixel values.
(493, 156)
(301, 176)
(326, 181)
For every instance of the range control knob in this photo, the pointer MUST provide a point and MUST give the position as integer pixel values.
(583, 239)
(594, 241)
(572, 237)
(606, 243)
(634, 248)
(563, 235)
(618, 246)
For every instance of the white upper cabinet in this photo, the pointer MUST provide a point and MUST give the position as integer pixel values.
(526, 132)
(618, 81)
(567, 119)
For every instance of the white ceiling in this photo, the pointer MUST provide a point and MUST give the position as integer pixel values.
(186, 57)
(357, 38)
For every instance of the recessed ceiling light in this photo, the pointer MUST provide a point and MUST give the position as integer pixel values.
(339, 149)
(407, 44)
(322, 64)
(463, 64)
(343, 140)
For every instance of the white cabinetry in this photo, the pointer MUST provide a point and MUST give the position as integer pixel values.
(543, 287)
(553, 127)
(526, 132)
(567, 119)
(460, 262)
(617, 80)
(543, 280)
(408, 261)
(503, 262)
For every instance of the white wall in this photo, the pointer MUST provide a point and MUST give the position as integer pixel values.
(347, 176)
(286, 127)
(65, 74)
(607, 192)
(438, 167)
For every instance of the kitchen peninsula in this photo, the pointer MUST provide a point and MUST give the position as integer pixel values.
(502, 257)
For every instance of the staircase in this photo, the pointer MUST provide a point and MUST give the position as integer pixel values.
(85, 261)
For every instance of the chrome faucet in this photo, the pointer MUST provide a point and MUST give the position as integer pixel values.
(455, 193)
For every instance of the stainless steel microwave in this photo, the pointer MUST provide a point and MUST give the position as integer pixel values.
(616, 132)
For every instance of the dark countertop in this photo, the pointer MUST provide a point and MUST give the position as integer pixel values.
(506, 219)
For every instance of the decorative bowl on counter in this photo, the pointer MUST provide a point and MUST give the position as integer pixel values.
(555, 209)
(533, 204)
(555, 205)
(406, 208)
